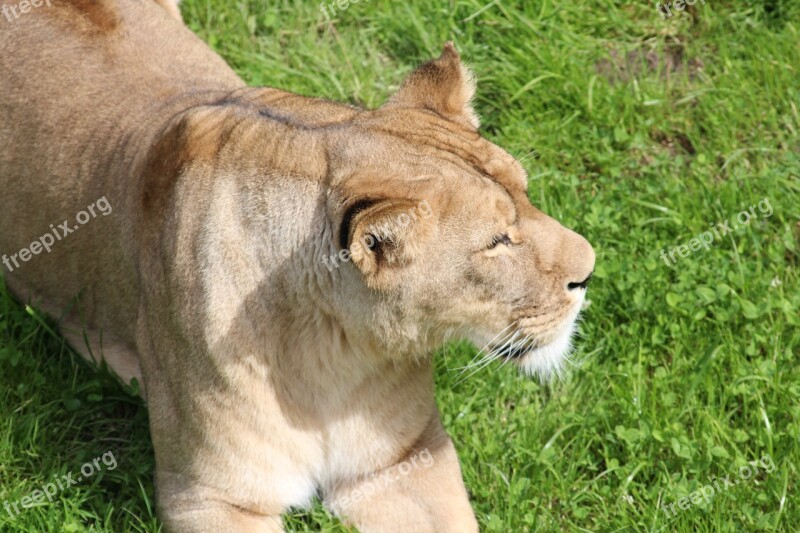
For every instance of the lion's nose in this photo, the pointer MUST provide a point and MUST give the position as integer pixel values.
(579, 284)
(562, 252)
(578, 261)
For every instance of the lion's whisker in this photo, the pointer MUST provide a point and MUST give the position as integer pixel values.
(480, 352)
(491, 356)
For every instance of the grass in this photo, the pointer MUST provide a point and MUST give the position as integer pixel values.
(636, 131)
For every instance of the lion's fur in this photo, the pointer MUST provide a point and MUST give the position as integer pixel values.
(268, 375)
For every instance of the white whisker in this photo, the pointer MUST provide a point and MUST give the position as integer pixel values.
(491, 356)
(480, 352)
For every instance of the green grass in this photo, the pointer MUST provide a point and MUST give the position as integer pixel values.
(635, 131)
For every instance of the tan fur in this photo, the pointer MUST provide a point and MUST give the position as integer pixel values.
(172, 8)
(94, 17)
(270, 377)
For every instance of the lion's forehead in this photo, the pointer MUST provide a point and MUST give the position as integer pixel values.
(420, 133)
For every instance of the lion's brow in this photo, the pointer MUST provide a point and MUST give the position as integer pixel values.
(466, 149)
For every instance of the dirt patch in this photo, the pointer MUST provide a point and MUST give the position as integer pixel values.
(675, 143)
(621, 67)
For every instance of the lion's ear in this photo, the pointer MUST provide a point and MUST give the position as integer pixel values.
(383, 236)
(443, 85)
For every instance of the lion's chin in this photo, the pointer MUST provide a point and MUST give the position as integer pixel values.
(545, 361)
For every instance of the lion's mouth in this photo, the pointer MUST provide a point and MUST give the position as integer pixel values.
(511, 351)
(539, 359)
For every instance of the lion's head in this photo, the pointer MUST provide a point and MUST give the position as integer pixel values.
(435, 236)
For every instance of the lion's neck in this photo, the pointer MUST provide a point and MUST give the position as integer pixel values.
(252, 235)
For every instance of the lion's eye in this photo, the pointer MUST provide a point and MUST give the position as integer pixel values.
(500, 239)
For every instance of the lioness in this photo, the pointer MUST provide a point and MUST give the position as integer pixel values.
(271, 373)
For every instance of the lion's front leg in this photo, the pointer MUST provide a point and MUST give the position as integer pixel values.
(423, 492)
(216, 469)
(186, 507)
